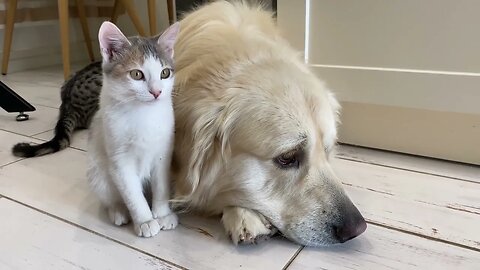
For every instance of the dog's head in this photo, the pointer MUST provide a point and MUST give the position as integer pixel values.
(265, 145)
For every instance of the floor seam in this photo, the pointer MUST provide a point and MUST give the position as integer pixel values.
(11, 162)
(371, 222)
(36, 134)
(79, 149)
(45, 106)
(408, 170)
(25, 135)
(294, 256)
(40, 139)
(93, 232)
(16, 133)
(45, 140)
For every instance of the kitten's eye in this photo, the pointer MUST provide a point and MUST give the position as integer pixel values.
(136, 74)
(165, 73)
(287, 160)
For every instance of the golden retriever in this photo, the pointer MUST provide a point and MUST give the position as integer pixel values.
(254, 131)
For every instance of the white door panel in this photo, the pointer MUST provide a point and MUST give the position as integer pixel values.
(411, 34)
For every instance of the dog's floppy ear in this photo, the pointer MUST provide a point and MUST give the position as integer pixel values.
(211, 129)
(332, 121)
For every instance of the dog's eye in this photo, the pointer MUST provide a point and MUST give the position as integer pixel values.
(286, 161)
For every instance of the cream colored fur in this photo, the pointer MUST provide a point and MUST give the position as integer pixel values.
(243, 97)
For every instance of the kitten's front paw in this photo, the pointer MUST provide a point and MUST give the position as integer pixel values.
(168, 222)
(118, 215)
(147, 229)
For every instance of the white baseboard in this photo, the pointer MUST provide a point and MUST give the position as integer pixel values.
(445, 135)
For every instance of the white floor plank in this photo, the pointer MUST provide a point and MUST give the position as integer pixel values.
(41, 120)
(7, 140)
(380, 248)
(32, 240)
(430, 205)
(409, 162)
(56, 184)
(79, 139)
(50, 77)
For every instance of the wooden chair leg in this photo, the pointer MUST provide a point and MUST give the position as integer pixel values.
(128, 4)
(172, 16)
(7, 38)
(117, 7)
(152, 17)
(86, 33)
(63, 18)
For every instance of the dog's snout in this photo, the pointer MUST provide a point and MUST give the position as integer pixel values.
(353, 224)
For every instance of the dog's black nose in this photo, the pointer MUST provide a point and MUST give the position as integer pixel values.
(350, 231)
(352, 224)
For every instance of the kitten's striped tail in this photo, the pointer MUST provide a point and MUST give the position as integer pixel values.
(63, 133)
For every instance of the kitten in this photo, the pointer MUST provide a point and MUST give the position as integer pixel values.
(131, 136)
(80, 96)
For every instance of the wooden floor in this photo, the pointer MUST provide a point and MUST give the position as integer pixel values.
(422, 213)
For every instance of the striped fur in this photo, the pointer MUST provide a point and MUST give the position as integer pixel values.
(80, 101)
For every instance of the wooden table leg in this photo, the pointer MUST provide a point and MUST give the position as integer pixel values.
(7, 38)
(86, 32)
(128, 4)
(63, 17)
(172, 16)
(152, 17)
(117, 7)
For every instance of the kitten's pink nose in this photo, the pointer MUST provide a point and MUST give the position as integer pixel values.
(155, 93)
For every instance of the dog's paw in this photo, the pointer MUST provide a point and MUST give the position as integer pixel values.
(246, 226)
(118, 215)
(147, 229)
(168, 222)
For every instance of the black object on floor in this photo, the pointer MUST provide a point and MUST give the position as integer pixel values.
(13, 102)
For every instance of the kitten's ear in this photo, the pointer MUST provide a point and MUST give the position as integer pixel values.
(112, 41)
(167, 39)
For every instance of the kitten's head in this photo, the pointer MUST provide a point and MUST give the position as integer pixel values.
(137, 68)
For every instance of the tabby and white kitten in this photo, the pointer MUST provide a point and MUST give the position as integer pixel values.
(131, 136)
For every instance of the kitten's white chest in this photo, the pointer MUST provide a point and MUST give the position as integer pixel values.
(144, 133)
